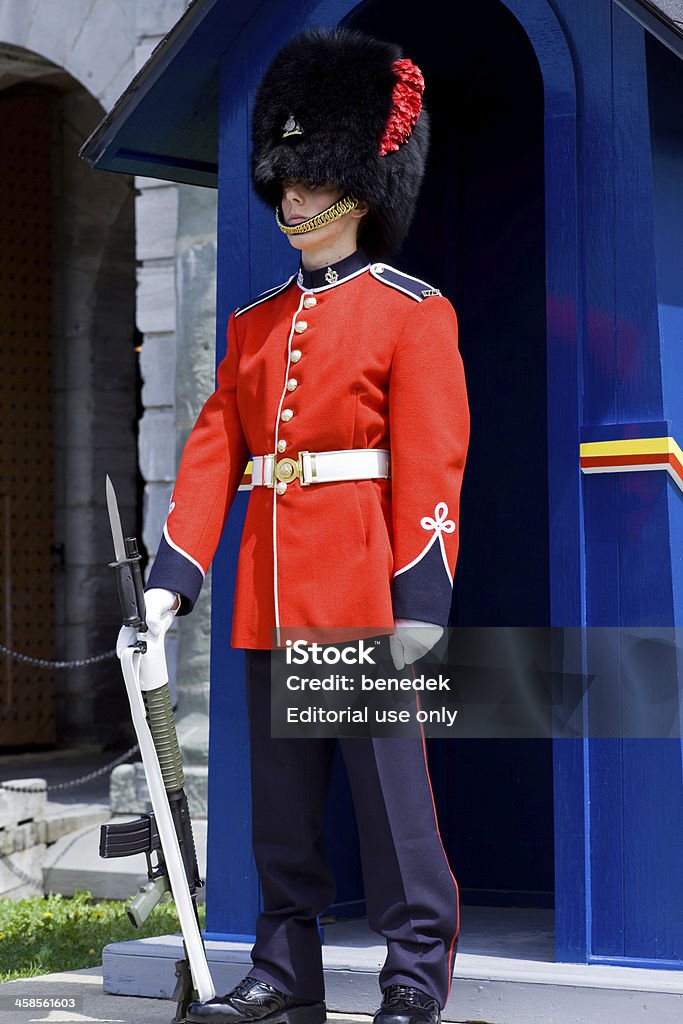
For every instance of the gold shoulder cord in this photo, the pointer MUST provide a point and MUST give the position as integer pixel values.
(332, 213)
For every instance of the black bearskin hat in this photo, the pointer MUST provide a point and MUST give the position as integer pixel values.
(341, 107)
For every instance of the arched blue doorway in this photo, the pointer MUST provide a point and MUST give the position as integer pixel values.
(503, 246)
(479, 235)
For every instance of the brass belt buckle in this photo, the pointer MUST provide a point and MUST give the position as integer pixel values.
(287, 470)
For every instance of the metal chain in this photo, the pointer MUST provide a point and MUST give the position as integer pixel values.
(46, 663)
(75, 782)
(36, 883)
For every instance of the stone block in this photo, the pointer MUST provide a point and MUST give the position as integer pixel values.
(129, 793)
(75, 356)
(82, 584)
(63, 819)
(156, 446)
(144, 49)
(78, 540)
(53, 27)
(193, 671)
(196, 789)
(128, 790)
(78, 418)
(156, 299)
(15, 21)
(193, 736)
(197, 214)
(87, 539)
(119, 83)
(80, 296)
(17, 868)
(116, 459)
(84, 482)
(194, 633)
(16, 807)
(196, 332)
(153, 18)
(156, 502)
(92, 219)
(102, 46)
(107, 404)
(16, 838)
(142, 183)
(114, 355)
(156, 219)
(77, 479)
(158, 370)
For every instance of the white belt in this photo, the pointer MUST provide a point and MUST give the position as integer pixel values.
(321, 467)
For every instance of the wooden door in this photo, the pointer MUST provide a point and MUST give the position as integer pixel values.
(27, 711)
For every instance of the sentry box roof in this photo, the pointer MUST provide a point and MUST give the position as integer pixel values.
(165, 125)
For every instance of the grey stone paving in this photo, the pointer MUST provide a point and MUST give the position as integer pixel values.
(95, 1005)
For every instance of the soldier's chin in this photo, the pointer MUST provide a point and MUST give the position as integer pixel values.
(311, 237)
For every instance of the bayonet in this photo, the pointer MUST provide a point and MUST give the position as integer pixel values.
(128, 574)
(115, 523)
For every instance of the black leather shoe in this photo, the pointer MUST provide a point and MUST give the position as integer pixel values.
(254, 1001)
(403, 1004)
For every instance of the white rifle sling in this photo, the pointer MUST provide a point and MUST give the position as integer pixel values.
(196, 954)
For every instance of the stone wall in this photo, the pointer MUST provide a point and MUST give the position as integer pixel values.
(121, 273)
(95, 409)
(176, 247)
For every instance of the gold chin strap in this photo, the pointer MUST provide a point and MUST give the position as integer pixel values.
(332, 213)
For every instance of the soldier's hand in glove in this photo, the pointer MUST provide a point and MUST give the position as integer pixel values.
(160, 608)
(412, 639)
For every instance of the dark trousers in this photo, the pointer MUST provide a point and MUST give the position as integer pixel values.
(411, 895)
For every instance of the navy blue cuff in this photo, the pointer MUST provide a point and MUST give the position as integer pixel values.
(173, 571)
(424, 592)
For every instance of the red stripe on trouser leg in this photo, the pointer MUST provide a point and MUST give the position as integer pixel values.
(436, 825)
(408, 886)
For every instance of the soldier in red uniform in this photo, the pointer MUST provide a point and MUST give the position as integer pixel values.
(345, 387)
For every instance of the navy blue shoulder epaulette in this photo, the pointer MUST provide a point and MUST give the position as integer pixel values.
(263, 297)
(412, 286)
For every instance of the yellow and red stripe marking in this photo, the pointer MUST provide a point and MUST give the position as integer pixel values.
(633, 455)
(245, 484)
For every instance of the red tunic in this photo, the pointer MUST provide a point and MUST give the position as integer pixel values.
(372, 362)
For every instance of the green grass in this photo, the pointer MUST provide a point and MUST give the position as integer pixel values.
(52, 933)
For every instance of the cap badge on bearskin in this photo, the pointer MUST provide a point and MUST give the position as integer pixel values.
(291, 127)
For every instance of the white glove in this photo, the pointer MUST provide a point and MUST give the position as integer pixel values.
(160, 608)
(412, 639)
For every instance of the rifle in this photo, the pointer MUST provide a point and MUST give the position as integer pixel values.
(164, 836)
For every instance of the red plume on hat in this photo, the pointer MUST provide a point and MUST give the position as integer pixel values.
(342, 107)
(405, 106)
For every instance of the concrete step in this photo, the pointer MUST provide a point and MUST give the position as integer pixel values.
(500, 989)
